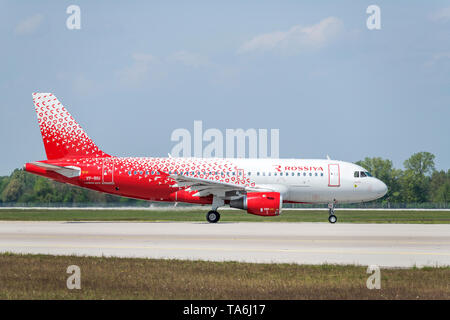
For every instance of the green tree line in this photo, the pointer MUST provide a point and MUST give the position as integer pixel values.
(419, 182)
(22, 187)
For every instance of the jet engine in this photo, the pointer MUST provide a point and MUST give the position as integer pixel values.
(260, 203)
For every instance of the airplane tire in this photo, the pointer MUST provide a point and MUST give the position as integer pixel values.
(213, 216)
(332, 218)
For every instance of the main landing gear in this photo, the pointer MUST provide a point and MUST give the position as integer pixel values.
(332, 218)
(213, 216)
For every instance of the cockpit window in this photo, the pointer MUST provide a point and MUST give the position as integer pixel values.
(362, 174)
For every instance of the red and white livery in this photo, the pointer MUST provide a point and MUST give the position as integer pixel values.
(259, 186)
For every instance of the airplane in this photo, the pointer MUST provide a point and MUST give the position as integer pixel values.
(259, 186)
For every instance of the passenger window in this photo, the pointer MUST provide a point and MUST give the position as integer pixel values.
(304, 174)
(299, 174)
(257, 173)
(356, 174)
(269, 174)
(362, 174)
(315, 174)
(321, 174)
(293, 174)
(281, 173)
(274, 173)
(310, 174)
(264, 174)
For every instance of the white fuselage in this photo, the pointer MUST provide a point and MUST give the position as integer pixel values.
(312, 180)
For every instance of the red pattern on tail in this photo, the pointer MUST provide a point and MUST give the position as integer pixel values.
(63, 137)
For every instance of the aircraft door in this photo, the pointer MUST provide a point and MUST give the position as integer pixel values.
(108, 171)
(334, 178)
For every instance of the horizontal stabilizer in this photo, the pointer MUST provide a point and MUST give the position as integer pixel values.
(69, 171)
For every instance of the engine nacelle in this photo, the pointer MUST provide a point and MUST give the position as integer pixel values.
(260, 203)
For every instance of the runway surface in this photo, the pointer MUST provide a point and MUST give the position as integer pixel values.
(385, 245)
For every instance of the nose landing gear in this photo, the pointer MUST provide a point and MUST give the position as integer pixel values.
(331, 218)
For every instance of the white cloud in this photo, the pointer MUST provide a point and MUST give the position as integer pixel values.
(189, 59)
(441, 15)
(138, 71)
(297, 39)
(146, 67)
(29, 25)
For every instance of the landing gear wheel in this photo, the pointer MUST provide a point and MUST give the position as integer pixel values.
(332, 218)
(213, 216)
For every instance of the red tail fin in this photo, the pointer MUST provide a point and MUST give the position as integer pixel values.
(63, 136)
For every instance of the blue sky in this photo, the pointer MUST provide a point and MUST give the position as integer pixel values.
(137, 70)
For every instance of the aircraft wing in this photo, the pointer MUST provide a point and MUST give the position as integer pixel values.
(205, 187)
